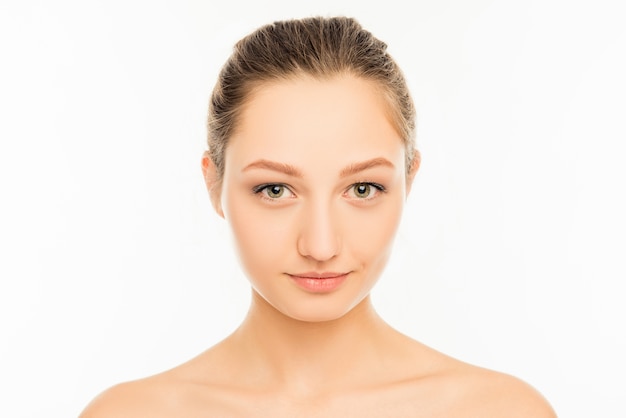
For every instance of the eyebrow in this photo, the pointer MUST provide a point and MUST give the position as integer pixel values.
(358, 167)
(274, 166)
(294, 172)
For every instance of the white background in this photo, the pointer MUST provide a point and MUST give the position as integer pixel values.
(511, 255)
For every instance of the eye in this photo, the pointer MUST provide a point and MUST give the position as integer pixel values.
(365, 190)
(273, 191)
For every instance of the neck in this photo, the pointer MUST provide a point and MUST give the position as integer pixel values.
(312, 356)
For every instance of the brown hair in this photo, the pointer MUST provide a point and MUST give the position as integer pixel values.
(317, 46)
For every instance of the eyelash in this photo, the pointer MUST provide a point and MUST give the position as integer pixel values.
(258, 190)
(379, 188)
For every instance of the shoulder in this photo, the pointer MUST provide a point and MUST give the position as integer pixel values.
(490, 393)
(439, 385)
(445, 386)
(189, 389)
(146, 397)
(184, 390)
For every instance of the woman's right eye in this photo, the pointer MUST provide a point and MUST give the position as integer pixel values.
(274, 191)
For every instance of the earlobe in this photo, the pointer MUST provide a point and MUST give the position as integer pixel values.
(415, 165)
(213, 184)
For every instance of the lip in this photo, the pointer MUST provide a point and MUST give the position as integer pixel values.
(315, 282)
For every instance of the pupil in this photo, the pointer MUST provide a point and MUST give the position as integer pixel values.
(362, 189)
(276, 190)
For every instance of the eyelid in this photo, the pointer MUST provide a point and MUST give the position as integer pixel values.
(379, 188)
(258, 190)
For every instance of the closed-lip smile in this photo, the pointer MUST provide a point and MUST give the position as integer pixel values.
(319, 282)
(316, 275)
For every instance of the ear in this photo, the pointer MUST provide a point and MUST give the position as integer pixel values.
(213, 183)
(415, 165)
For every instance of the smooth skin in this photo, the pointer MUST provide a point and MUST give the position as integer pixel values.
(315, 183)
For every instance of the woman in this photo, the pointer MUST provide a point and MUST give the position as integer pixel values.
(311, 157)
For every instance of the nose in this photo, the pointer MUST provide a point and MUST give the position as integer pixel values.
(319, 236)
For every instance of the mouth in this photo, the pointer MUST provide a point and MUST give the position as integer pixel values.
(315, 282)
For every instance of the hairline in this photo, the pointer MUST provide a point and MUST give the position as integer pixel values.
(392, 111)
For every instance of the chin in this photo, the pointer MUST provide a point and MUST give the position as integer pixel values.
(318, 308)
(316, 317)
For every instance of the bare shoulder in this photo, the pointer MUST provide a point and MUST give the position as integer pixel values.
(490, 393)
(186, 390)
(145, 397)
(437, 385)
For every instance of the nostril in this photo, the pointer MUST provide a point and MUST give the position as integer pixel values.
(318, 239)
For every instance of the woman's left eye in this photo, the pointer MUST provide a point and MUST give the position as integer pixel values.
(365, 190)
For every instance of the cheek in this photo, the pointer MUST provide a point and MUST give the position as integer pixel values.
(369, 233)
(261, 237)
(266, 238)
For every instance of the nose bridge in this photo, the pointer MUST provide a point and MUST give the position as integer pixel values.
(319, 234)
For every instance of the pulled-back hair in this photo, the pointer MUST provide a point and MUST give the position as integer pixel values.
(319, 47)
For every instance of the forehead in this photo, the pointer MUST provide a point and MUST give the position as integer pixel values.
(343, 114)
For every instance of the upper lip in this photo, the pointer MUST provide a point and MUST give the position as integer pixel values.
(318, 275)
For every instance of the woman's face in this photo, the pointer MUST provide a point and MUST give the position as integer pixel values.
(313, 189)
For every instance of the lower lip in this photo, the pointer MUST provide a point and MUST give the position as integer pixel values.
(322, 285)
